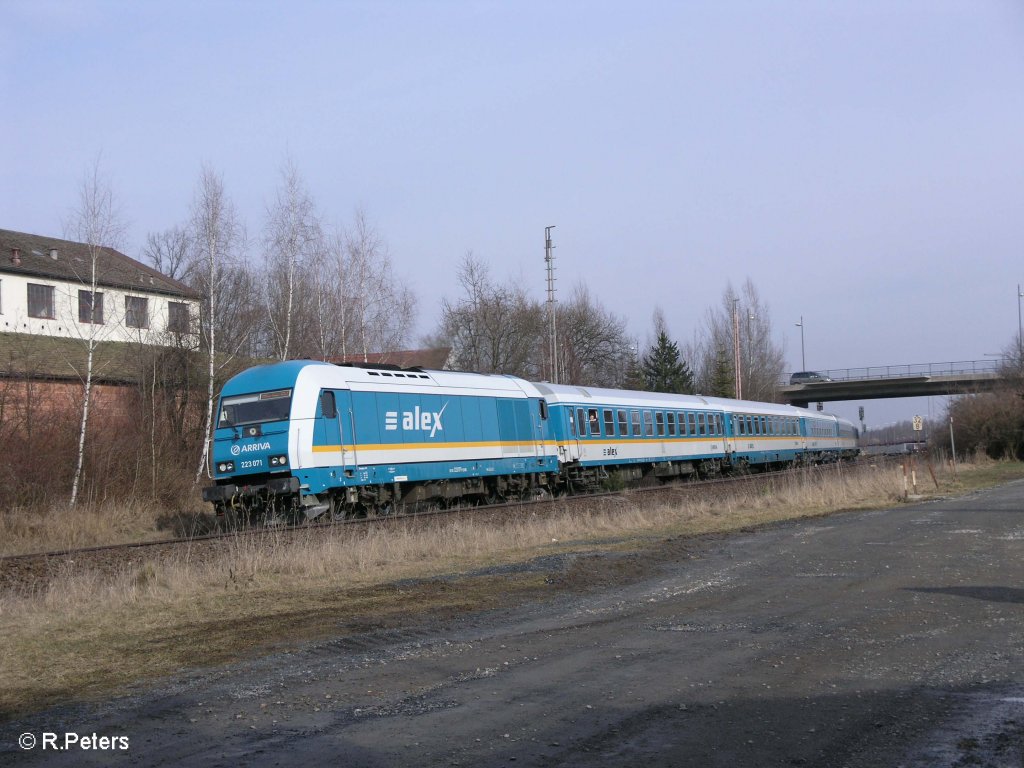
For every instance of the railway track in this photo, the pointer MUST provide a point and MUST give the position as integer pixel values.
(26, 572)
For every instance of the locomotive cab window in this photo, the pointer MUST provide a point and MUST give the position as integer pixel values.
(257, 408)
(544, 409)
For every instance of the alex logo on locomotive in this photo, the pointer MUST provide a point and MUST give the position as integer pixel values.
(415, 420)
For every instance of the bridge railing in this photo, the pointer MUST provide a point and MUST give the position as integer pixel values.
(963, 367)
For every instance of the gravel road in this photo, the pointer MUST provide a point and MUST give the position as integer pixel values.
(888, 638)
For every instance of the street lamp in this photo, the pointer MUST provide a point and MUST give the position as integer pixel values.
(1020, 329)
(803, 355)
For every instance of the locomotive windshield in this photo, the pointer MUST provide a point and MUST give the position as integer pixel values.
(255, 409)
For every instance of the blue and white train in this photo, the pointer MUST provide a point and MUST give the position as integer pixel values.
(306, 438)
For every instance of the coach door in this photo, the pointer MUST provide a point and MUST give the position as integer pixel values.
(730, 427)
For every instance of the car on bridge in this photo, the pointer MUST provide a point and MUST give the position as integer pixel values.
(807, 377)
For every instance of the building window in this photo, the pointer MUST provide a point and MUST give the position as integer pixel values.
(40, 301)
(90, 307)
(136, 312)
(177, 317)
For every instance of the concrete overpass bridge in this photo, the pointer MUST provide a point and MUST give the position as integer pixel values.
(922, 380)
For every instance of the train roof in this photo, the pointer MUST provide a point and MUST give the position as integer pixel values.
(286, 374)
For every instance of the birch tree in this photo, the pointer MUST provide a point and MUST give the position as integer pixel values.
(97, 224)
(217, 234)
(762, 360)
(293, 237)
(380, 308)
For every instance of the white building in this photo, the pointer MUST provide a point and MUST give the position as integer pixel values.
(49, 287)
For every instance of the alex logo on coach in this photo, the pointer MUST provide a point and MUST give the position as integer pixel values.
(415, 420)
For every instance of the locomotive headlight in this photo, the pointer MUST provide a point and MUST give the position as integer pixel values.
(278, 461)
(226, 466)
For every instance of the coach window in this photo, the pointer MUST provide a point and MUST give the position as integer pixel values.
(595, 425)
(701, 424)
(691, 418)
(718, 425)
(743, 425)
(623, 424)
(581, 422)
(634, 417)
(609, 423)
(659, 420)
(671, 424)
(648, 424)
(764, 425)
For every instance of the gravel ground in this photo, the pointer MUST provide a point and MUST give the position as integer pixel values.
(889, 638)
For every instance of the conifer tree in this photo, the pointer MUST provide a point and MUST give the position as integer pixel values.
(664, 370)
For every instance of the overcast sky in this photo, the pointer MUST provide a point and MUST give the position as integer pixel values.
(860, 161)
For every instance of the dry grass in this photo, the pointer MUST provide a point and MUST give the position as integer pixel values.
(88, 633)
(91, 523)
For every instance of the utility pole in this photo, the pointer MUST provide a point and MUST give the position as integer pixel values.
(549, 257)
(1020, 330)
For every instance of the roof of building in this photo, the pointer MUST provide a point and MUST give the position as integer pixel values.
(32, 356)
(56, 259)
(434, 359)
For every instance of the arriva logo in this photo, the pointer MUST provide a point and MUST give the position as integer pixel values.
(416, 419)
(237, 449)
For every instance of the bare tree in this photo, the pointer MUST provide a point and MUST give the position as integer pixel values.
(293, 238)
(762, 360)
(594, 349)
(217, 234)
(97, 223)
(492, 328)
(170, 252)
(379, 309)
